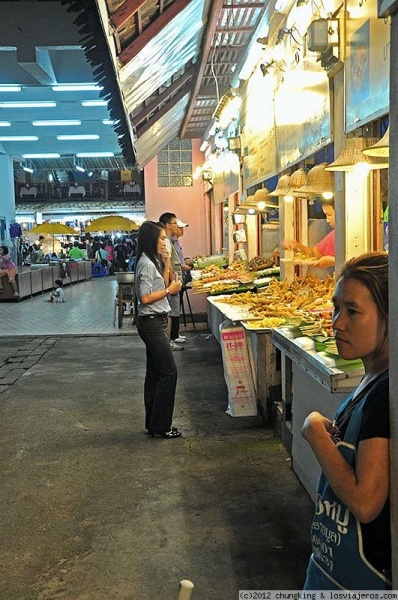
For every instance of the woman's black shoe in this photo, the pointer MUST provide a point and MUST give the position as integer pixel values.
(168, 435)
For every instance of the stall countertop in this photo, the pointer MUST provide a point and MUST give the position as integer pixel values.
(233, 313)
(333, 378)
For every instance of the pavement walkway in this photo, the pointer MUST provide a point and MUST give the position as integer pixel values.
(91, 508)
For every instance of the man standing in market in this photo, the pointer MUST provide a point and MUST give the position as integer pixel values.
(186, 268)
(169, 221)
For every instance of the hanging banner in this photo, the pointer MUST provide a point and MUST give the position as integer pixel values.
(367, 64)
(258, 131)
(307, 128)
(225, 170)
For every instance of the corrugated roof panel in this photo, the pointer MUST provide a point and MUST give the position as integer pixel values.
(166, 129)
(163, 56)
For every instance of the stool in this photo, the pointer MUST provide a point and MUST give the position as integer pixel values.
(183, 291)
(98, 270)
(125, 295)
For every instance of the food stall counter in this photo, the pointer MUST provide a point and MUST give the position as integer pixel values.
(264, 360)
(309, 383)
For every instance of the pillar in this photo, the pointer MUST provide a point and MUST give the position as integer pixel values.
(393, 289)
(7, 196)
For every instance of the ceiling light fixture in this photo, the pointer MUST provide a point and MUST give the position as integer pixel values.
(38, 104)
(381, 148)
(352, 158)
(110, 121)
(42, 155)
(18, 138)
(320, 182)
(83, 136)
(76, 87)
(56, 123)
(79, 168)
(28, 169)
(94, 154)
(227, 108)
(5, 124)
(94, 102)
(10, 88)
(282, 186)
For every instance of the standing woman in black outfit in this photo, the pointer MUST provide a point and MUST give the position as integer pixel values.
(152, 289)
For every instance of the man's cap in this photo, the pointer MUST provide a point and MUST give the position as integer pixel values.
(181, 223)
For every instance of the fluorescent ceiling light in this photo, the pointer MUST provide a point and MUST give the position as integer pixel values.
(38, 104)
(109, 121)
(94, 154)
(28, 169)
(76, 87)
(10, 88)
(94, 102)
(79, 168)
(5, 124)
(18, 138)
(42, 155)
(88, 136)
(61, 123)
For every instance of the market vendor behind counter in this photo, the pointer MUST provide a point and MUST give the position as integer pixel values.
(320, 256)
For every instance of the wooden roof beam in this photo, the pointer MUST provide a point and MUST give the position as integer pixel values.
(253, 4)
(173, 101)
(234, 29)
(217, 6)
(149, 108)
(152, 30)
(125, 11)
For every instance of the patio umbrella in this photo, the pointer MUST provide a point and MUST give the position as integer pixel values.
(112, 223)
(53, 229)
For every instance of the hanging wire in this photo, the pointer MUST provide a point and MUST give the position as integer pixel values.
(213, 69)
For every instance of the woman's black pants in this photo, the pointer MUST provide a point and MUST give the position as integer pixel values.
(161, 373)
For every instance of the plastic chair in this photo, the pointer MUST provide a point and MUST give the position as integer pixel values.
(98, 270)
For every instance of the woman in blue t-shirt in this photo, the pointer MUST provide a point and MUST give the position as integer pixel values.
(350, 532)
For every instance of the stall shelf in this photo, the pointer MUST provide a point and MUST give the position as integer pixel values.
(308, 385)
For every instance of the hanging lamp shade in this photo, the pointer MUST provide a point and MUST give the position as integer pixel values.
(319, 182)
(251, 202)
(352, 156)
(261, 195)
(282, 186)
(297, 180)
(380, 148)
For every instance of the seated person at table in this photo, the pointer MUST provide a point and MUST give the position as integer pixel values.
(75, 252)
(101, 257)
(9, 268)
(58, 294)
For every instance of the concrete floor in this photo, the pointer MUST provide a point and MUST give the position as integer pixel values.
(93, 509)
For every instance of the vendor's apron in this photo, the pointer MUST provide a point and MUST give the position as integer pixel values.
(338, 561)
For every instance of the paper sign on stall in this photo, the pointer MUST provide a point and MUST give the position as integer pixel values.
(237, 372)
